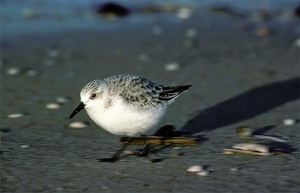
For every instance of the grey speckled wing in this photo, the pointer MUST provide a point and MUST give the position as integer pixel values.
(142, 92)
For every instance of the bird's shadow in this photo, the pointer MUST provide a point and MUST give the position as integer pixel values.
(245, 106)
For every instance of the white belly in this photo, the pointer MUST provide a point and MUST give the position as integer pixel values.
(124, 120)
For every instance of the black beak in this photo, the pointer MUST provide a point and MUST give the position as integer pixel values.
(79, 108)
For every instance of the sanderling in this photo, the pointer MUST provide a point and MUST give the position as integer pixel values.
(126, 104)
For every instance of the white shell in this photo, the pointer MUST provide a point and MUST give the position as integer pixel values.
(172, 66)
(289, 121)
(203, 173)
(195, 168)
(77, 124)
(252, 147)
(16, 115)
(52, 106)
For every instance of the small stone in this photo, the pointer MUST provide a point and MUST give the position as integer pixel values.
(289, 121)
(61, 99)
(16, 115)
(234, 169)
(172, 66)
(13, 71)
(195, 168)
(203, 173)
(24, 146)
(77, 124)
(52, 106)
(297, 42)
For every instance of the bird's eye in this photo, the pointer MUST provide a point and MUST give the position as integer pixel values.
(93, 96)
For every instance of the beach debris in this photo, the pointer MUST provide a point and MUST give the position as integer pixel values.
(156, 140)
(244, 131)
(247, 132)
(203, 173)
(15, 115)
(184, 13)
(173, 66)
(112, 10)
(77, 124)
(289, 121)
(195, 168)
(24, 146)
(234, 169)
(233, 151)
(13, 71)
(52, 106)
(252, 147)
(272, 138)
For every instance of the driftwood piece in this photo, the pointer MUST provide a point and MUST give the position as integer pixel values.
(156, 140)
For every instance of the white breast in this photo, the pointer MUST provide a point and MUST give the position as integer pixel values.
(124, 119)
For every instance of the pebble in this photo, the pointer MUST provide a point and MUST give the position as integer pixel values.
(61, 99)
(13, 71)
(184, 13)
(289, 121)
(203, 173)
(24, 146)
(77, 124)
(52, 106)
(234, 169)
(195, 168)
(16, 115)
(191, 33)
(172, 66)
(297, 42)
(244, 131)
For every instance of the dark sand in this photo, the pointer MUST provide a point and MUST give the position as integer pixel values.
(238, 79)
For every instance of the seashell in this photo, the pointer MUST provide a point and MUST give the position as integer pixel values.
(289, 121)
(203, 173)
(77, 124)
(233, 151)
(252, 147)
(13, 71)
(16, 115)
(269, 138)
(172, 66)
(195, 168)
(184, 13)
(52, 106)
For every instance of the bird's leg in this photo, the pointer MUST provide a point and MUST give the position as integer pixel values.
(116, 156)
(145, 150)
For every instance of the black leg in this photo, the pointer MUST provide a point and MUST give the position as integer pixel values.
(146, 149)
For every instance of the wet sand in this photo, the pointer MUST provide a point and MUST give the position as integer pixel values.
(239, 78)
